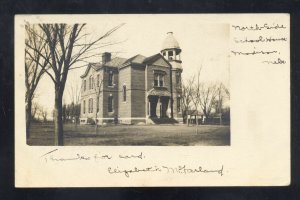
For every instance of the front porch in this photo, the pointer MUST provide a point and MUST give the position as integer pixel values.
(159, 106)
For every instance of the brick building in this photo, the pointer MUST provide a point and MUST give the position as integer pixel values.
(138, 89)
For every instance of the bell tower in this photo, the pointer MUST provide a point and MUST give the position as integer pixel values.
(171, 52)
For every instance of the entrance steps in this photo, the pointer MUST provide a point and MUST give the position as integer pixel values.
(156, 120)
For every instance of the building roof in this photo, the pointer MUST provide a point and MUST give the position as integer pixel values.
(170, 42)
(118, 62)
(136, 59)
(155, 57)
(152, 58)
(115, 62)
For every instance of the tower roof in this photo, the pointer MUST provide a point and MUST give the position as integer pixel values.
(170, 42)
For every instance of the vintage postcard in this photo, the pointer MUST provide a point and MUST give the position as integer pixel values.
(132, 100)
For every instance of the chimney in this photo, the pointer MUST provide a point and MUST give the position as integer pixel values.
(106, 57)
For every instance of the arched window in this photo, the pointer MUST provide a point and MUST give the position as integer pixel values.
(124, 92)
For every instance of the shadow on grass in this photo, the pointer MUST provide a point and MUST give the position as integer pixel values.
(133, 135)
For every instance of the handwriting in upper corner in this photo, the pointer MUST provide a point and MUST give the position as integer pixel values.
(257, 27)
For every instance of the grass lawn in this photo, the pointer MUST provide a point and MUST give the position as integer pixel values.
(127, 135)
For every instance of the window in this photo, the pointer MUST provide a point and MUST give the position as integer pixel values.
(124, 92)
(158, 80)
(178, 104)
(84, 107)
(110, 103)
(90, 82)
(84, 85)
(98, 103)
(178, 79)
(98, 80)
(155, 79)
(164, 53)
(90, 105)
(170, 55)
(110, 78)
(161, 80)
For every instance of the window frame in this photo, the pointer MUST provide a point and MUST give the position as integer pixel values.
(84, 85)
(91, 111)
(110, 78)
(178, 79)
(159, 80)
(84, 104)
(110, 106)
(98, 102)
(98, 80)
(124, 93)
(178, 106)
(156, 78)
(171, 55)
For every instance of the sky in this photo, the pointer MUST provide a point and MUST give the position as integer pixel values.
(203, 42)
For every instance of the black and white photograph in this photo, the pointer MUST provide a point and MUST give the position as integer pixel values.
(152, 100)
(147, 81)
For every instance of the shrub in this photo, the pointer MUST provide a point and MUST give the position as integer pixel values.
(91, 121)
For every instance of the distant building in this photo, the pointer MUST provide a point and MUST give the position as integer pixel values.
(138, 89)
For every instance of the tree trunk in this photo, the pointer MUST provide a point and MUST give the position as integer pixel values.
(28, 119)
(58, 121)
(206, 117)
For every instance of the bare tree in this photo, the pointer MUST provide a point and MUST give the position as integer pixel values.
(186, 98)
(35, 66)
(98, 90)
(44, 115)
(225, 89)
(66, 49)
(196, 94)
(74, 95)
(34, 110)
(208, 93)
(222, 94)
(218, 104)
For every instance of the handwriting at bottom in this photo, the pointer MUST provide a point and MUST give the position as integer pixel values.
(276, 62)
(181, 169)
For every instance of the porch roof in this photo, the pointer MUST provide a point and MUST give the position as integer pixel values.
(159, 91)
